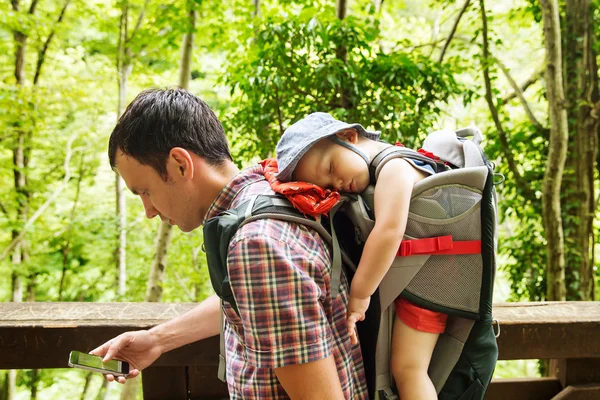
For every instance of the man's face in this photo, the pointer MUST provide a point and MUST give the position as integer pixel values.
(169, 199)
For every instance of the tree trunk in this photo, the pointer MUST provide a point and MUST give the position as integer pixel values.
(163, 237)
(86, 385)
(11, 384)
(35, 378)
(196, 264)
(578, 183)
(341, 53)
(19, 179)
(130, 388)
(109, 389)
(342, 8)
(154, 287)
(256, 11)
(378, 4)
(120, 192)
(124, 69)
(35, 374)
(188, 47)
(3, 385)
(102, 392)
(17, 296)
(20, 46)
(557, 152)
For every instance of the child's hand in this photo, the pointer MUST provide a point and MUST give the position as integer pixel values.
(357, 307)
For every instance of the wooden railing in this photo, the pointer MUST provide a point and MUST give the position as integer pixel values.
(41, 335)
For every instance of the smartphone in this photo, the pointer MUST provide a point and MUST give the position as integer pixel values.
(94, 363)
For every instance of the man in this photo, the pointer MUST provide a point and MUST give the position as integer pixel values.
(289, 339)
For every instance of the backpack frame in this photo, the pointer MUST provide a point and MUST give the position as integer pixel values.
(458, 201)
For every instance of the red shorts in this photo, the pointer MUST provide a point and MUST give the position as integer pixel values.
(420, 318)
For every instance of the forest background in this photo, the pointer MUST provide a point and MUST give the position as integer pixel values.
(524, 71)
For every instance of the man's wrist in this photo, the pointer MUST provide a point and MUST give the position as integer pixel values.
(160, 336)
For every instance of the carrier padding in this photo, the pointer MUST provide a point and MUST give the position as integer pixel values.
(383, 378)
(448, 204)
(473, 177)
(401, 272)
(448, 349)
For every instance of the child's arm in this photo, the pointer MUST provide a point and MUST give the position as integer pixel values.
(392, 199)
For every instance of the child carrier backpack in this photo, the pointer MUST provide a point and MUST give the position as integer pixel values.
(446, 261)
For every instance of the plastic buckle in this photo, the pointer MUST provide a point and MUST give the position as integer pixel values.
(496, 334)
(426, 246)
(498, 178)
(405, 249)
(388, 394)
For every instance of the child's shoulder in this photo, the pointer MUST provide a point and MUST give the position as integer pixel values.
(399, 169)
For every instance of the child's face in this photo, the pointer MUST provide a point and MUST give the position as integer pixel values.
(333, 166)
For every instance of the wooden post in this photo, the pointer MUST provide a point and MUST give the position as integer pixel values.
(165, 383)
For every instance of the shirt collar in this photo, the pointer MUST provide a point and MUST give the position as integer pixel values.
(226, 197)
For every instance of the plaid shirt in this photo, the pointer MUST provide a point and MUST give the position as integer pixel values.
(280, 276)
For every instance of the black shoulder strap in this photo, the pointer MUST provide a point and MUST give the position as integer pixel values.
(219, 230)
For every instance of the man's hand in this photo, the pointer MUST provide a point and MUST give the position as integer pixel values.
(357, 307)
(138, 348)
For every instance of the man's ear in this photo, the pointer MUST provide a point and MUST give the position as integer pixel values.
(348, 135)
(181, 163)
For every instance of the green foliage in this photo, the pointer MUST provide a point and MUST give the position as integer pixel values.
(522, 241)
(297, 66)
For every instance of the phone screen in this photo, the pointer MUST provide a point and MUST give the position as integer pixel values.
(88, 360)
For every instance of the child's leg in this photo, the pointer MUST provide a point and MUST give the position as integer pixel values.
(411, 354)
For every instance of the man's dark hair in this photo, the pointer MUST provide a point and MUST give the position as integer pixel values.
(158, 120)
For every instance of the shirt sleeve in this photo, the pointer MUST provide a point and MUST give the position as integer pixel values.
(280, 292)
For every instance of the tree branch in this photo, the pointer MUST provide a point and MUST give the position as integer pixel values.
(453, 31)
(532, 79)
(416, 46)
(138, 24)
(32, 6)
(182, 284)
(42, 53)
(46, 204)
(69, 236)
(512, 165)
(4, 211)
(378, 5)
(519, 94)
(279, 116)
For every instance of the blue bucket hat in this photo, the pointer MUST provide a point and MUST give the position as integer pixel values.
(301, 136)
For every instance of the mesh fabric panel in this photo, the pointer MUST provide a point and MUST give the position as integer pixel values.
(452, 281)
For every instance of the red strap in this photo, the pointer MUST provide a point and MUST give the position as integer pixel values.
(438, 245)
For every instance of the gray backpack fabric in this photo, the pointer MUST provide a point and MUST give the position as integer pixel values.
(458, 201)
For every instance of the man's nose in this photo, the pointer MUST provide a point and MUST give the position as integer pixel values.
(151, 212)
